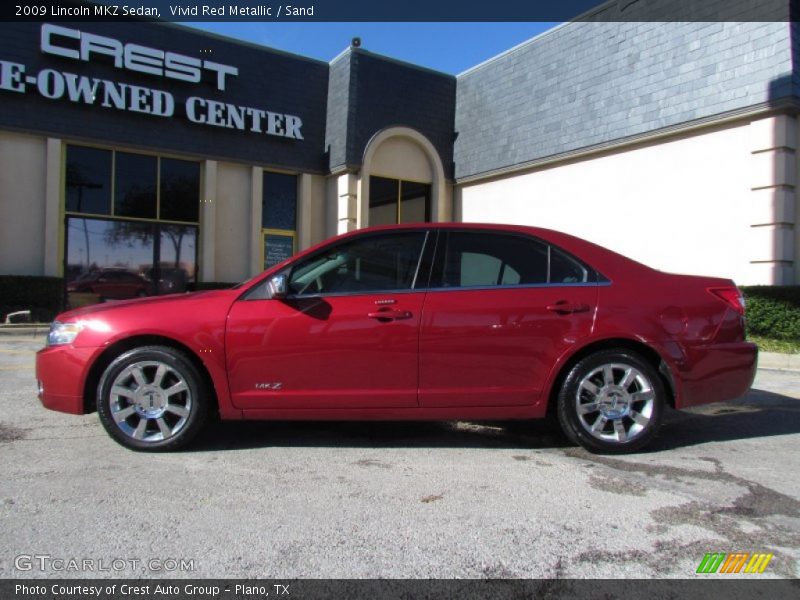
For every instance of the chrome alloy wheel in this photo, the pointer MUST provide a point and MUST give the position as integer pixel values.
(615, 402)
(150, 401)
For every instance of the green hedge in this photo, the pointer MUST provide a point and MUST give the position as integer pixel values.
(773, 311)
(43, 296)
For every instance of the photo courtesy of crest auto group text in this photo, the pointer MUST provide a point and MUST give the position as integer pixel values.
(399, 302)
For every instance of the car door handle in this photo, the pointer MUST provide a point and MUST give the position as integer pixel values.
(390, 314)
(564, 307)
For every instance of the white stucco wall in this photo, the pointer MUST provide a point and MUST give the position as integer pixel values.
(23, 174)
(678, 205)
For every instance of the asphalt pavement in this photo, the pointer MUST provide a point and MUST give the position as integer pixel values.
(392, 500)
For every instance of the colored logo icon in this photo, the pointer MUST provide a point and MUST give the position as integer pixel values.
(737, 562)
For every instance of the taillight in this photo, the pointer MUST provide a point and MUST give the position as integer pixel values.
(731, 296)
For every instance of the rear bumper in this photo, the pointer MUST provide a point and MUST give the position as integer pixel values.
(61, 374)
(717, 373)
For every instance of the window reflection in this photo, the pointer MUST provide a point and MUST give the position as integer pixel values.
(88, 180)
(180, 190)
(115, 260)
(135, 185)
(137, 254)
(105, 259)
(176, 267)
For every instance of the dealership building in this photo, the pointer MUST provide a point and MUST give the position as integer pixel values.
(151, 152)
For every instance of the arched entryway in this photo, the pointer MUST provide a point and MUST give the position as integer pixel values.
(402, 180)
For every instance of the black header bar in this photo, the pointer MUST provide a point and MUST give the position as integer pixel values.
(404, 11)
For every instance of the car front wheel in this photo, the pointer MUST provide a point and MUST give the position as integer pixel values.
(152, 398)
(612, 402)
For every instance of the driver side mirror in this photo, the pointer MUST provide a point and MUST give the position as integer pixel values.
(278, 287)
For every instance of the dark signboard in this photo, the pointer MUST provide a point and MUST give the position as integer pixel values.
(277, 248)
(164, 87)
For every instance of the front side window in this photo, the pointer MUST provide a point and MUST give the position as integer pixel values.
(480, 259)
(375, 263)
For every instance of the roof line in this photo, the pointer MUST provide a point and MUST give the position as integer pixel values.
(513, 49)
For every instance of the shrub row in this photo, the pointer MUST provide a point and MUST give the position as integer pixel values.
(773, 311)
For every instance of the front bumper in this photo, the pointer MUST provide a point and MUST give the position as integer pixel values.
(718, 373)
(61, 373)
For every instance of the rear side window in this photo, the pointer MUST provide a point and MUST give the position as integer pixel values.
(565, 269)
(480, 259)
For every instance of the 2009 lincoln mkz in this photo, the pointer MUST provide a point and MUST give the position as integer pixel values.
(436, 321)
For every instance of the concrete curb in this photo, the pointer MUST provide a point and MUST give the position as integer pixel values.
(24, 331)
(775, 360)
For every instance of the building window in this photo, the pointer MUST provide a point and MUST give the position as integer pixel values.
(88, 180)
(278, 218)
(147, 242)
(393, 201)
(179, 182)
(135, 178)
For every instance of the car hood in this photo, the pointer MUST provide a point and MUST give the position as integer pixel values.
(156, 302)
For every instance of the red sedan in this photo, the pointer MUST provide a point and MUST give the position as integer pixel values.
(440, 321)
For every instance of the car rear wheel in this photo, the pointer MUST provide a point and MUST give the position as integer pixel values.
(152, 398)
(611, 402)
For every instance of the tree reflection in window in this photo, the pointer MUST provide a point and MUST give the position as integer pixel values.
(135, 185)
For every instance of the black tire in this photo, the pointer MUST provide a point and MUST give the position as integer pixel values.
(156, 385)
(628, 394)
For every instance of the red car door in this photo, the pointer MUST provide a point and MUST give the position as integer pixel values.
(501, 309)
(346, 336)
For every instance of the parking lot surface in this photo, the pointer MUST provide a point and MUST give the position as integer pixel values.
(416, 500)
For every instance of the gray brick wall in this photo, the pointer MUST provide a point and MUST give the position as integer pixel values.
(389, 93)
(589, 83)
(368, 93)
(338, 111)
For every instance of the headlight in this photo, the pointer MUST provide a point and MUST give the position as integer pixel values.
(63, 333)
